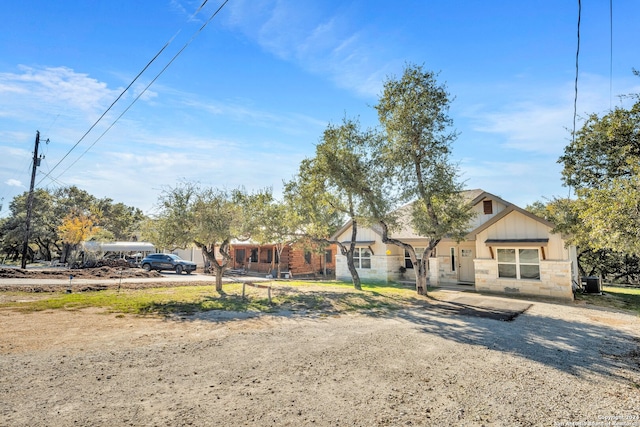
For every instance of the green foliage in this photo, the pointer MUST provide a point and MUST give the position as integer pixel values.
(332, 297)
(572, 218)
(50, 208)
(611, 213)
(602, 164)
(605, 148)
(416, 158)
(614, 297)
(206, 217)
(343, 181)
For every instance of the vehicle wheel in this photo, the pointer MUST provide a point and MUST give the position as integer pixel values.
(188, 271)
(146, 267)
(178, 269)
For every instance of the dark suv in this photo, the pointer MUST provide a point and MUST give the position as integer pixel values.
(167, 262)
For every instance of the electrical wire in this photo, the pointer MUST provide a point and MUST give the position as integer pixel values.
(575, 87)
(107, 110)
(610, 53)
(48, 175)
(148, 85)
(575, 96)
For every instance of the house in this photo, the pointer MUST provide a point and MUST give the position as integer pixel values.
(507, 250)
(253, 258)
(295, 259)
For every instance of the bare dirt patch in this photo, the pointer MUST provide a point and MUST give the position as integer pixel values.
(103, 272)
(425, 365)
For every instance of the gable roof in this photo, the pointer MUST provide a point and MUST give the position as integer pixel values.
(510, 207)
(473, 197)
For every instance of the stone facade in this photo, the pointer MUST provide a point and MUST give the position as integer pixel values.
(384, 268)
(555, 280)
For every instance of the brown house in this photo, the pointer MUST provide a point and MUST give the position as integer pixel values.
(295, 259)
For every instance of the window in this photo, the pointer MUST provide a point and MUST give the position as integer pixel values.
(270, 254)
(328, 256)
(407, 258)
(453, 259)
(307, 257)
(519, 263)
(254, 255)
(487, 205)
(362, 258)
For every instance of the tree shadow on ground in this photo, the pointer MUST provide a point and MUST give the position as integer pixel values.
(574, 346)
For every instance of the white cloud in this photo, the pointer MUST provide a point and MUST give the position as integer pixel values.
(539, 120)
(14, 183)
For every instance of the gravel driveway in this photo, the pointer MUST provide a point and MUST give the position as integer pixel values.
(554, 364)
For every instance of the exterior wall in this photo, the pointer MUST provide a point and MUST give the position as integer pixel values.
(292, 259)
(444, 271)
(298, 263)
(383, 269)
(519, 226)
(480, 217)
(555, 280)
(440, 270)
(191, 254)
(434, 269)
(556, 262)
(555, 269)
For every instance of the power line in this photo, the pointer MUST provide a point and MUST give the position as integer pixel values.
(610, 53)
(575, 96)
(147, 87)
(47, 175)
(107, 110)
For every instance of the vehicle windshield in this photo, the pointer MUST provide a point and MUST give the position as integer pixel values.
(175, 257)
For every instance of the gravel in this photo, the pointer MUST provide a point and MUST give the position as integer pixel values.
(554, 364)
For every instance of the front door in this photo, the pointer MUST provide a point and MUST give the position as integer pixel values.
(239, 259)
(467, 272)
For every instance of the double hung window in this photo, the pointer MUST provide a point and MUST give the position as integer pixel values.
(362, 258)
(519, 264)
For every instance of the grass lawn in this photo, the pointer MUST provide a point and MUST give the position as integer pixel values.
(329, 297)
(615, 297)
(326, 297)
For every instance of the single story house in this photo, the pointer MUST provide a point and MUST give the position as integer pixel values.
(253, 258)
(507, 250)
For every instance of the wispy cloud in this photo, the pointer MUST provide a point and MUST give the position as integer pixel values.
(541, 120)
(324, 42)
(56, 85)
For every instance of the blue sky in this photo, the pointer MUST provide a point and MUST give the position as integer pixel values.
(250, 95)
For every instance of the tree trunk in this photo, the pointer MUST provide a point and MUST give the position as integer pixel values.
(280, 249)
(219, 272)
(421, 276)
(219, 267)
(355, 277)
(420, 266)
(66, 250)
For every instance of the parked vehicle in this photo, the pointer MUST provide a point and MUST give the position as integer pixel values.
(161, 262)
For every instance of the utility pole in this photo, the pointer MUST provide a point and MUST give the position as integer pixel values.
(36, 163)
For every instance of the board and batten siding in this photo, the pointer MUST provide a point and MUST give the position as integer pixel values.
(555, 265)
(481, 217)
(519, 226)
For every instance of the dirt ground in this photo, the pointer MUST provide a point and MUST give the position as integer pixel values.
(87, 273)
(554, 364)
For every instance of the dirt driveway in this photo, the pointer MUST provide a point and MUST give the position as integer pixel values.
(552, 365)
